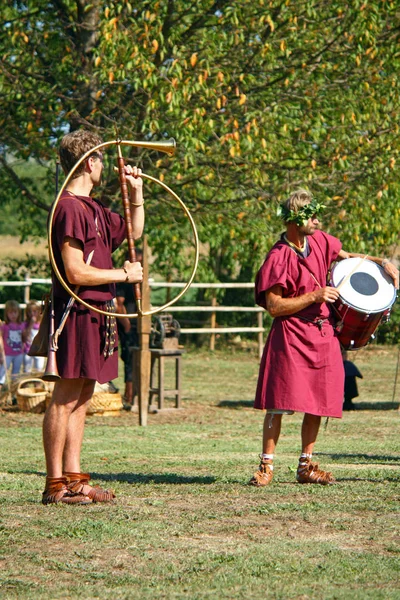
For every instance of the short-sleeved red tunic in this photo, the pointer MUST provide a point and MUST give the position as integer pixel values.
(302, 368)
(81, 343)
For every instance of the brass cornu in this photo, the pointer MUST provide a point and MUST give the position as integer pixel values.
(168, 147)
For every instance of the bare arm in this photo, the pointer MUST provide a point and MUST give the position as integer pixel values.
(277, 306)
(79, 273)
(135, 183)
(388, 266)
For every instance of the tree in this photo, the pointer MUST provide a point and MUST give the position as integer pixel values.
(262, 97)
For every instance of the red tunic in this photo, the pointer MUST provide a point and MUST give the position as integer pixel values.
(82, 341)
(302, 368)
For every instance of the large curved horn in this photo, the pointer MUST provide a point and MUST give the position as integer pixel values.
(167, 147)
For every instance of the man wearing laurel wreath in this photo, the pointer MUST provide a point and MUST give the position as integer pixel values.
(302, 368)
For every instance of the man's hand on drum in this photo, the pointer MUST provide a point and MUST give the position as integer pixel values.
(391, 270)
(134, 271)
(326, 294)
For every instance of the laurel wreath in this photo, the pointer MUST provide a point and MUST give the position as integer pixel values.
(301, 216)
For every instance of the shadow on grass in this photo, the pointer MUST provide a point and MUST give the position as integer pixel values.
(236, 403)
(158, 478)
(368, 479)
(376, 406)
(365, 459)
(174, 479)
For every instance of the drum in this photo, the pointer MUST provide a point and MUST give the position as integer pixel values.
(366, 296)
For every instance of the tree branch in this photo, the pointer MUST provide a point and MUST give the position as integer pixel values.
(24, 190)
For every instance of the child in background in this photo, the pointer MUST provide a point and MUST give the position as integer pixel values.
(2, 362)
(12, 331)
(32, 322)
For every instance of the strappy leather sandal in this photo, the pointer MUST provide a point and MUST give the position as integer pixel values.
(57, 491)
(79, 483)
(264, 474)
(309, 472)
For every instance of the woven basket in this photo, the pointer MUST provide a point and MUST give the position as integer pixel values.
(33, 397)
(105, 404)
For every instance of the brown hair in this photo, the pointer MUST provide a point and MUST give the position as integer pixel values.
(10, 305)
(73, 146)
(297, 200)
(28, 309)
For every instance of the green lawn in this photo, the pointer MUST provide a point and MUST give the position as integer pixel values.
(186, 525)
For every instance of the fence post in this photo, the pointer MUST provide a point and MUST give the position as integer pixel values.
(213, 323)
(260, 335)
(27, 290)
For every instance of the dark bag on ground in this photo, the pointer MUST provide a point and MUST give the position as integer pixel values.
(40, 343)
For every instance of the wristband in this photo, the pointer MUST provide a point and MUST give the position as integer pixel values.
(137, 203)
(385, 262)
(127, 276)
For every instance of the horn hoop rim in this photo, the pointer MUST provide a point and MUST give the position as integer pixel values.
(150, 145)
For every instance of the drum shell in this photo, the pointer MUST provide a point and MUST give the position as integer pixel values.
(366, 296)
(355, 328)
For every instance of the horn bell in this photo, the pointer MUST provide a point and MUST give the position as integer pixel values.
(167, 146)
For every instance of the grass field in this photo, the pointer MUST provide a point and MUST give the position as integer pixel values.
(10, 247)
(186, 525)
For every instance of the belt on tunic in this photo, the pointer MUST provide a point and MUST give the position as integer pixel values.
(111, 328)
(318, 322)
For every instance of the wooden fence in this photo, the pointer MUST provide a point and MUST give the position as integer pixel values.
(213, 309)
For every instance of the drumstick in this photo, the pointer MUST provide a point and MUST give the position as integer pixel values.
(345, 280)
(395, 377)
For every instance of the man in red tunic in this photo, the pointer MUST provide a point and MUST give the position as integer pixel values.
(83, 226)
(302, 367)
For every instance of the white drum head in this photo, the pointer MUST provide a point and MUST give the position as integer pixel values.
(368, 289)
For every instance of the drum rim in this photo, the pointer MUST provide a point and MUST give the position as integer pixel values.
(362, 310)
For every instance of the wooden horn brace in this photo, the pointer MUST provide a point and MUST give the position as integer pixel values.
(128, 224)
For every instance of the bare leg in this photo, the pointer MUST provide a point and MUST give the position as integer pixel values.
(309, 432)
(307, 471)
(76, 424)
(55, 423)
(271, 432)
(272, 429)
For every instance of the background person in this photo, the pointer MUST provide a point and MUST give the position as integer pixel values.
(86, 345)
(31, 324)
(3, 372)
(127, 332)
(301, 369)
(351, 372)
(13, 341)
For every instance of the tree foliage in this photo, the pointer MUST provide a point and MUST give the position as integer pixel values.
(262, 97)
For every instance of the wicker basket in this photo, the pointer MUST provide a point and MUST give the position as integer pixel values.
(105, 404)
(33, 397)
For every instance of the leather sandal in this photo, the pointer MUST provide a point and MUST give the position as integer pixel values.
(309, 472)
(264, 474)
(57, 491)
(79, 483)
